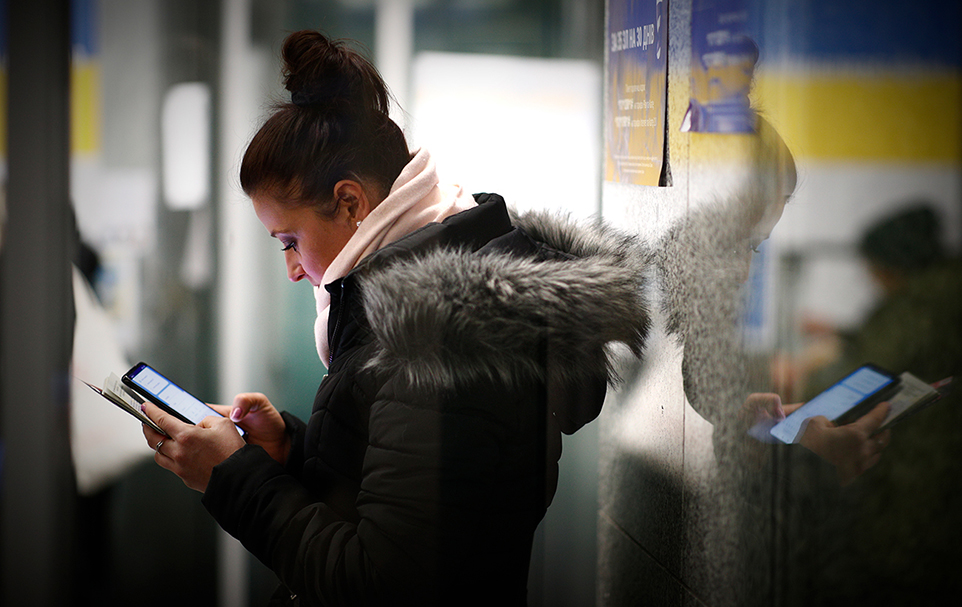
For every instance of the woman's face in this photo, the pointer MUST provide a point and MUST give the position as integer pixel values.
(310, 242)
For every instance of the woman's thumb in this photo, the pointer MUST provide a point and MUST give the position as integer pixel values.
(243, 404)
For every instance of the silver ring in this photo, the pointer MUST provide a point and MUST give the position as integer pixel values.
(159, 445)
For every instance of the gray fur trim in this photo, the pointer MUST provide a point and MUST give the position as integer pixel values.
(584, 238)
(451, 317)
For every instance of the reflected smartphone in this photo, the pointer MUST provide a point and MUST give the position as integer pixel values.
(846, 401)
(149, 383)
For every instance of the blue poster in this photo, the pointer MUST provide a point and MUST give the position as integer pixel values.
(723, 58)
(637, 87)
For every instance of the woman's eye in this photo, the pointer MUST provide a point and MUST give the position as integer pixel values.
(289, 246)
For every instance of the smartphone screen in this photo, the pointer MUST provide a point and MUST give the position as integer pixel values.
(856, 388)
(160, 390)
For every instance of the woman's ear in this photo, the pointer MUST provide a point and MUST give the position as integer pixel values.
(353, 202)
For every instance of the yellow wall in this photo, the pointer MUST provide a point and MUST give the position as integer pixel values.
(866, 115)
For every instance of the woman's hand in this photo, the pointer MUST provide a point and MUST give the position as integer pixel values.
(262, 421)
(851, 448)
(189, 451)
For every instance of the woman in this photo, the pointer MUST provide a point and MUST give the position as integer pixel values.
(460, 343)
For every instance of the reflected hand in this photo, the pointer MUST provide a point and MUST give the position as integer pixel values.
(759, 413)
(763, 406)
(852, 448)
(254, 413)
(189, 451)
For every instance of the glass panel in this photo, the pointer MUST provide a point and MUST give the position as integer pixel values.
(861, 265)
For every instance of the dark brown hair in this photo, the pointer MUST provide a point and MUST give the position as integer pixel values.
(336, 127)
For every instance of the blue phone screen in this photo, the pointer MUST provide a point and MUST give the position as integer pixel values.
(834, 402)
(172, 395)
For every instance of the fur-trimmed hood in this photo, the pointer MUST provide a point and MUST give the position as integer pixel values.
(452, 316)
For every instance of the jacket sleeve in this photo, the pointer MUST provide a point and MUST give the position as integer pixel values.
(393, 554)
(313, 551)
(296, 429)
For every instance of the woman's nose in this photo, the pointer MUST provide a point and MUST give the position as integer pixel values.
(294, 270)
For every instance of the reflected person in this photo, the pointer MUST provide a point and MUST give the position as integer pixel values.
(704, 262)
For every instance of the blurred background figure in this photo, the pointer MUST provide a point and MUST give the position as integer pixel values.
(104, 442)
(916, 325)
(895, 543)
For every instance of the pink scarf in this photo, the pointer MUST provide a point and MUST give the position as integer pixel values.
(415, 200)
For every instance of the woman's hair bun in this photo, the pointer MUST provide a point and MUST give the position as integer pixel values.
(325, 73)
(337, 127)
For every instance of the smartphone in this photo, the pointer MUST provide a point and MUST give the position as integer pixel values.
(149, 383)
(849, 399)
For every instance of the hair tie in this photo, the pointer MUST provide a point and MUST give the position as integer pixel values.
(303, 98)
(317, 95)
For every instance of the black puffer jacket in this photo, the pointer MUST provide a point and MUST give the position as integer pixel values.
(459, 355)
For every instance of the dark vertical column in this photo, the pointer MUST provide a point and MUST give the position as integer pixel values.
(36, 504)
